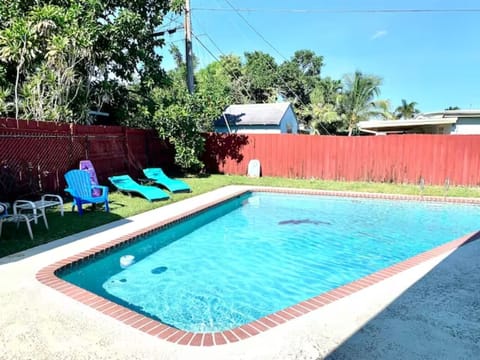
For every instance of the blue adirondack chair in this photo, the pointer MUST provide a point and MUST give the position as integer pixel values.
(80, 187)
(126, 184)
(158, 177)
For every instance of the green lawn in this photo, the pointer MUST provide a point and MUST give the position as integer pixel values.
(122, 206)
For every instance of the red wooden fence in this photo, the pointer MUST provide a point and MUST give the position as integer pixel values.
(34, 155)
(395, 158)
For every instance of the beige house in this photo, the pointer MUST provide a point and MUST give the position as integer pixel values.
(455, 122)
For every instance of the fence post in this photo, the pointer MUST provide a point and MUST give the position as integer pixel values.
(70, 151)
(125, 149)
(147, 147)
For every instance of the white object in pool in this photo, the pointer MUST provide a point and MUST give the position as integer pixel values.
(126, 261)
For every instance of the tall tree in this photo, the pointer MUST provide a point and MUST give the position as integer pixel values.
(406, 110)
(358, 100)
(323, 119)
(180, 116)
(17, 47)
(260, 75)
(214, 90)
(299, 76)
(308, 62)
(329, 89)
(122, 48)
(233, 68)
(322, 112)
(55, 89)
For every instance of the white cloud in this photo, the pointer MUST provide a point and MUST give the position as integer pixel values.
(379, 34)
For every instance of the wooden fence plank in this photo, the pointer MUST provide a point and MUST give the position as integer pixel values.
(394, 158)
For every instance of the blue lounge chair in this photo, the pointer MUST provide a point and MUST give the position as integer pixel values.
(126, 184)
(81, 189)
(158, 177)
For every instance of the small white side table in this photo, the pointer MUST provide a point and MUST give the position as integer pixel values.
(38, 207)
(50, 200)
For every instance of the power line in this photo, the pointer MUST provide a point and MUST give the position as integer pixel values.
(343, 11)
(171, 27)
(214, 44)
(173, 18)
(278, 52)
(255, 30)
(203, 45)
(239, 81)
(268, 43)
(219, 61)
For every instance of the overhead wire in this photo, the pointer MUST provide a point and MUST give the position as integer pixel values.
(255, 30)
(278, 52)
(205, 47)
(238, 80)
(219, 61)
(343, 11)
(173, 19)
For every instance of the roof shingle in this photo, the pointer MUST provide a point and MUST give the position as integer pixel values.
(254, 114)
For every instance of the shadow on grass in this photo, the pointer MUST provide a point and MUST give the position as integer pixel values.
(72, 226)
(16, 240)
(436, 318)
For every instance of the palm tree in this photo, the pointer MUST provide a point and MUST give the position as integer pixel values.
(330, 89)
(5, 105)
(322, 118)
(383, 110)
(406, 110)
(358, 99)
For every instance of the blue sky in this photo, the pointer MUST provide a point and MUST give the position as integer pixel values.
(431, 58)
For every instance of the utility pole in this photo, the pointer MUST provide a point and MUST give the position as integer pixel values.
(188, 47)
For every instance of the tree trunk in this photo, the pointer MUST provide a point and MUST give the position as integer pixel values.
(350, 130)
(17, 80)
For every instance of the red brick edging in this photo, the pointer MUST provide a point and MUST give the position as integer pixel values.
(155, 328)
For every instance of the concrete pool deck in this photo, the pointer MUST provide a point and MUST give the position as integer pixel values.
(438, 317)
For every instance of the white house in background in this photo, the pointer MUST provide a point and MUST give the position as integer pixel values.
(275, 118)
(454, 122)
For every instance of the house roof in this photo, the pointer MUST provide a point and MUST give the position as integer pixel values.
(253, 114)
(452, 113)
(401, 123)
(426, 119)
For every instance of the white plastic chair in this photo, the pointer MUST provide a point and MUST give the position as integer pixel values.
(35, 209)
(16, 218)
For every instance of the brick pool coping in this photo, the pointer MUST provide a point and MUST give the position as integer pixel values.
(47, 276)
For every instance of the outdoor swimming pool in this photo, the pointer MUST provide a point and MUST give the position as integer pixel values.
(262, 252)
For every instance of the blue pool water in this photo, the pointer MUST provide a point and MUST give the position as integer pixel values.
(262, 252)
